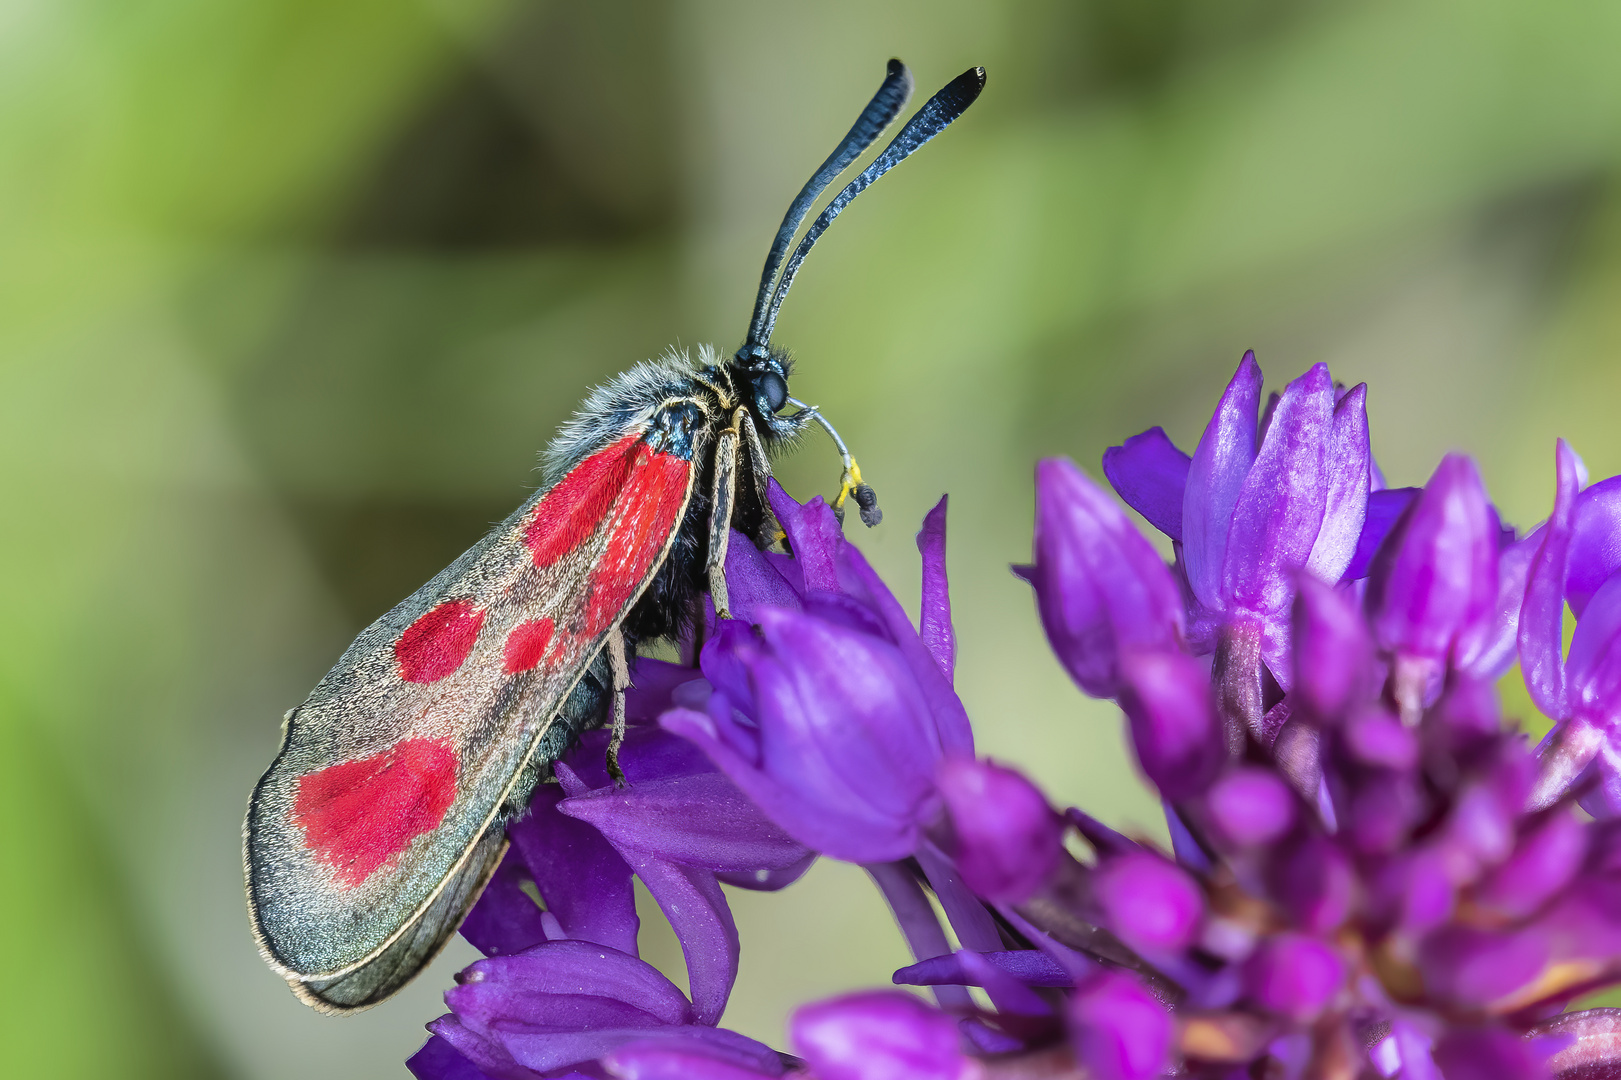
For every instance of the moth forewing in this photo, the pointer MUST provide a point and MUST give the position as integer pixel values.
(361, 840)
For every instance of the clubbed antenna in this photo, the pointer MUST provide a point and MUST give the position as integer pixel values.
(890, 99)
(929, 121)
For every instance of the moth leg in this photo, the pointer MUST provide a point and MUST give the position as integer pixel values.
(621, 679)
(720, 515)
(759, 473)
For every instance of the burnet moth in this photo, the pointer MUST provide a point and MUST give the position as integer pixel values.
(384, 813)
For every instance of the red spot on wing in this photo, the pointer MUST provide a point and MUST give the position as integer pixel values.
(651, 502)
(526, 645)
(438, 642)
(571, 511)
(358, 814)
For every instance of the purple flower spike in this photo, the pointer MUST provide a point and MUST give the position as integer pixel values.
(1100, 587)
(1250, 807)
(1120, 1030)
(1440, 578)
(1152, 905)
(1174, 728)
(880, 1035)
(1295, 976)
(1216, 476)
(1005, 840)
(1151, 474)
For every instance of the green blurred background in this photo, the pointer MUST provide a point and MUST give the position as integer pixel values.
(292, 291)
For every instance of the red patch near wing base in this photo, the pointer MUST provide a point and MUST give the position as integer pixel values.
(358, 814)
(571, 511)
(652, 498)
(526, 645)
(437, 643)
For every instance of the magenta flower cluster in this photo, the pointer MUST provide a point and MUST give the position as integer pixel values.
(1371, 873)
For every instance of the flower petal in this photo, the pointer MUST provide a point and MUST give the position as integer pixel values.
(692, 900)
(1280, 507)
(1492, 1054)
(951, 725)
(877, 1035)
(1333, 654)
(1384, 510)
(968, 916)
(486, 1055)
(1120, 1030)
(755, 580)
(1294, 975)
(1440, 577)
(1216, 475)
(1100, 587)
(767, 880)
(1030, 966)
(1174, 728)
(1151, 474)
(1488, 648)
(566, 984)
(653, 683)
(1595, 546)
(842, 721)
(584, 882)
(1150, 904)
(1542, 615)
(813, 534)
(505, 919)
(1476, 967)
(825, 828)
(438, 1060)
(934, 612)
(700, 820)
(1005, 839)
(1350, 469)
(918, 923)
(1250, 806)
(690, 1055)
(1593, 670)
(1542, 864)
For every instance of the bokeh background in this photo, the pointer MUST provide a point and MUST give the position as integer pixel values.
(292, 291)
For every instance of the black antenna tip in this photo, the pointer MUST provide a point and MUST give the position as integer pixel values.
(965, 88)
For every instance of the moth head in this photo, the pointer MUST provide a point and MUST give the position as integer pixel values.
(762, 380)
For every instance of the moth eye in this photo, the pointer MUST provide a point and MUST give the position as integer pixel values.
(773, 391)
